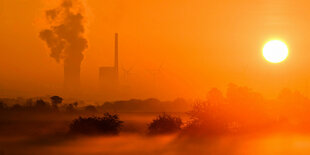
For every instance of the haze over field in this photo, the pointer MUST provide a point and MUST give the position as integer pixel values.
(221, 124)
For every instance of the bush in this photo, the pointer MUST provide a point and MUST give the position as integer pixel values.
(107, 125)
(165, 124)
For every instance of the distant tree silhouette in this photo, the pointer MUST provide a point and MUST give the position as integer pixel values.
(165, 124)
(107, 125)
(70, 108)
(206, 119)
(55, 101)
(215, 96)
(29, 103)
(41, 105)
(90, 108)
(17, 107)
(3, 106)
(75, 104)
(148, 105)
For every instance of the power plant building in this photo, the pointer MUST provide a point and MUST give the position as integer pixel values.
(108, 75)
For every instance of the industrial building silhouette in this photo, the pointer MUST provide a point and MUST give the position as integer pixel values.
(109, 75)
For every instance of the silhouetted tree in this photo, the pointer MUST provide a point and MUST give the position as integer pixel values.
(41, 105)
(29, 103)
(107, 125)
(165, 124)
(3, 106)
(90, 108)
(55, 101)
(75, 104)
(16, 107)
(70, 108)
(215, 97)
(206, 119)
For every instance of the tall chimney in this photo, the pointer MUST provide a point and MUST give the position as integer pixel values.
(116, 53)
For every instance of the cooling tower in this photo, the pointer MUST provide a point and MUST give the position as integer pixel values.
(72, 76)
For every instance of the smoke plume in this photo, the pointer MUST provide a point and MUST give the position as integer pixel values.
(64, 37)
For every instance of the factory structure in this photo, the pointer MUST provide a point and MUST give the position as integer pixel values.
(109, 75)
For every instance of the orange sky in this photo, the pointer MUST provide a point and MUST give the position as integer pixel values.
(200, 44)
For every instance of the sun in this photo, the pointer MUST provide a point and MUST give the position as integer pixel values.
(275, 51)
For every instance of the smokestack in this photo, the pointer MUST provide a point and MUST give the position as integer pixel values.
(116, 53)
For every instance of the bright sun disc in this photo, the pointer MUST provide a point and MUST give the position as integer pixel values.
(275, 51)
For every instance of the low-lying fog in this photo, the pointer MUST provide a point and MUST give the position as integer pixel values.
(49, 137)
(242, 122)
(167, 144)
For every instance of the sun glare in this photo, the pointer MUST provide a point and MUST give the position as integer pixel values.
(275, 51)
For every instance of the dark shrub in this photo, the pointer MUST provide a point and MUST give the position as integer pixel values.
(165, 124)
(106, 125)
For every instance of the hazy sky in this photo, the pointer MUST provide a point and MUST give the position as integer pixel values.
(199, 44)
